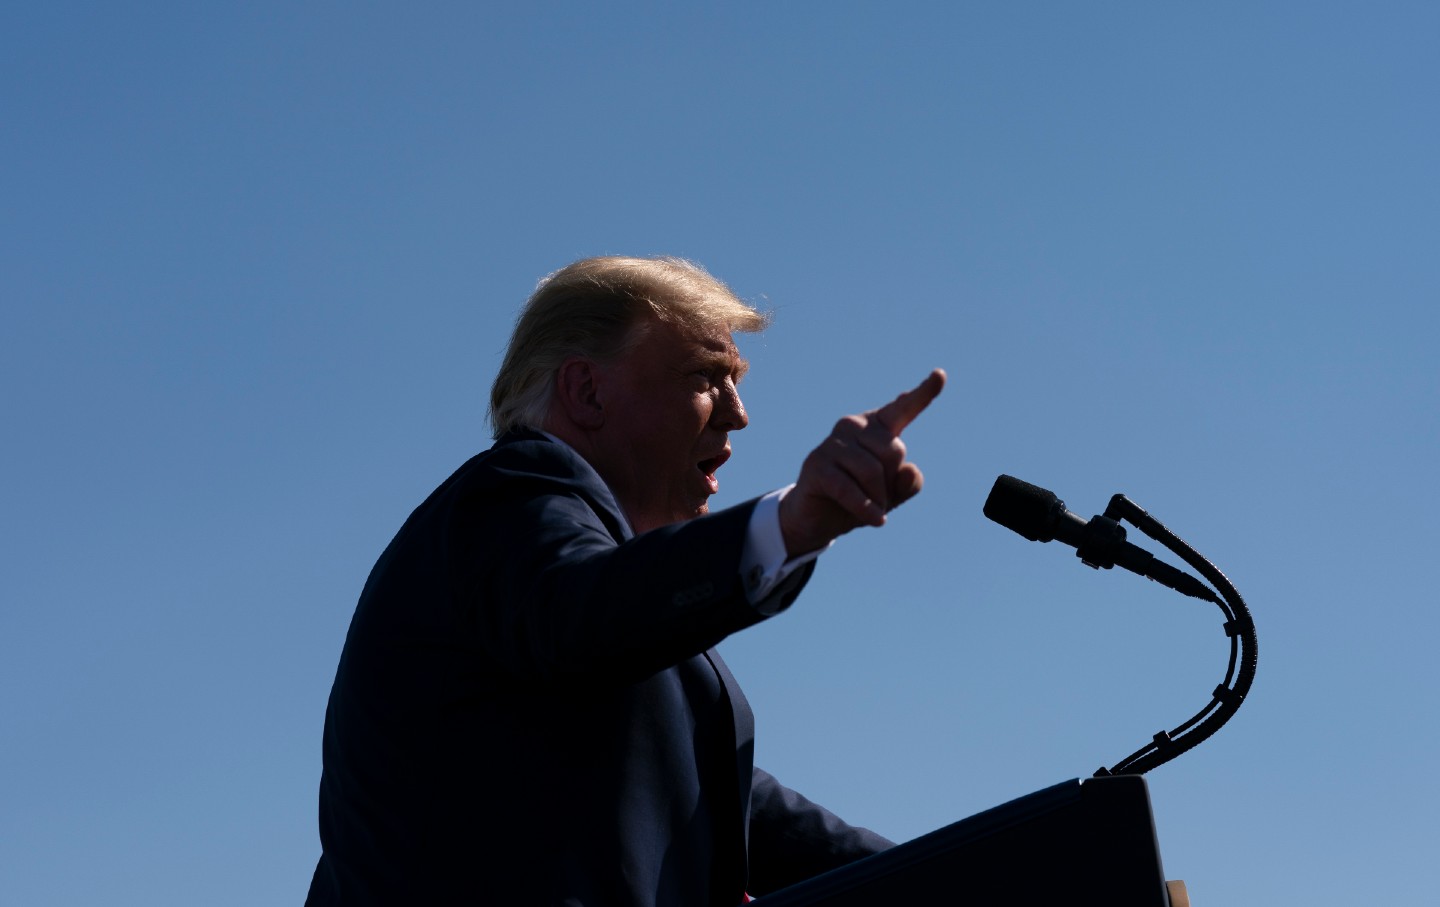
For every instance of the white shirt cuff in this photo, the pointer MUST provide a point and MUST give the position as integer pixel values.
(763, 564)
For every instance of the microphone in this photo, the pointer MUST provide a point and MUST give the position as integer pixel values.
(1040, 516)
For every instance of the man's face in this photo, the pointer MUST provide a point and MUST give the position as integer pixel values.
(669, 405)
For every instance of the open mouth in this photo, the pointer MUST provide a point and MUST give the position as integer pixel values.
(709, 466)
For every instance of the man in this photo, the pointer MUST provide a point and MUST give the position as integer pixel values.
(529, 708)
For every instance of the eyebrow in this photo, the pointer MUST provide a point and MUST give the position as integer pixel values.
(727, 358)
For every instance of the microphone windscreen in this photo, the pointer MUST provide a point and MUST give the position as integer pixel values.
(1024, 508)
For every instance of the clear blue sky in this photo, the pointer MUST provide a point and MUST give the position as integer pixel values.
(259, 261)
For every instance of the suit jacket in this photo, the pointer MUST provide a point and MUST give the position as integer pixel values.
(529, 709)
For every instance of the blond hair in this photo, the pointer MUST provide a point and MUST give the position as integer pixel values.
(590, 308)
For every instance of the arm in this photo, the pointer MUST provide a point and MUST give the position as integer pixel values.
(793, 839)
(535, 551)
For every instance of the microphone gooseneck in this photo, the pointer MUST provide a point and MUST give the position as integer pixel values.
(1038, 515)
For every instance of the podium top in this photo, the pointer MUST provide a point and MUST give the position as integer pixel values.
(1094, 840)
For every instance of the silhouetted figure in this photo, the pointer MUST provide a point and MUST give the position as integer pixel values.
(529, 708)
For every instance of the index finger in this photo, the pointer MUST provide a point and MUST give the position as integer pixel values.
(900, 412)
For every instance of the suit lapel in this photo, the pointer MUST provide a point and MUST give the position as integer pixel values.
(738, 761)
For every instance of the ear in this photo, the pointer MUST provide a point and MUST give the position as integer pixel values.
(577, 392)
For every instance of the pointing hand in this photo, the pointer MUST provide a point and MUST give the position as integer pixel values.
(858, 474)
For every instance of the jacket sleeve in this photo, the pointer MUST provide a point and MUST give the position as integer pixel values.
(793, 839)
(548, 585)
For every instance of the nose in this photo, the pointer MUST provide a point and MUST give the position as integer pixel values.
(730, 412)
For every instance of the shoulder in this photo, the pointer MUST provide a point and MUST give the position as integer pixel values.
(529, 468)
(525, 452)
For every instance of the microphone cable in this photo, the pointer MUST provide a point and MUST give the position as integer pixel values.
(1239, 627)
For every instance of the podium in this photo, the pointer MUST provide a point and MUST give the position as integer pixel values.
(1077, 843)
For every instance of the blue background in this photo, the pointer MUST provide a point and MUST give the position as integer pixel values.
(259, 263)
